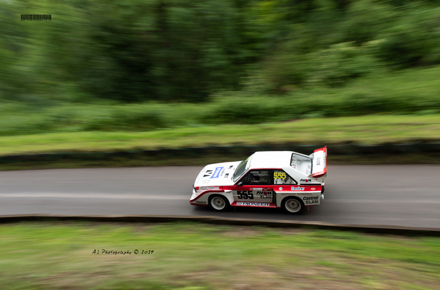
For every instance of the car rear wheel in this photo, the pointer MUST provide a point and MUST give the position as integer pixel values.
(219, 203)
(293, 205)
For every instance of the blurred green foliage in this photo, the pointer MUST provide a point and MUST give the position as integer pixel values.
(252, 60)
(403, 93)
(127, 50)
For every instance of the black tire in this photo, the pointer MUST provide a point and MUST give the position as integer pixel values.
(219, 203)
(293, 205)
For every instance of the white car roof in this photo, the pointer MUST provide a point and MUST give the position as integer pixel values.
(270, 159)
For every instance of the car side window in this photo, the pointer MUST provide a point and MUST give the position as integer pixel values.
(257, 177)
(281, 177)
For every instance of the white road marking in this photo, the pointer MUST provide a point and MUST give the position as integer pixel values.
(93, 195)
(391, 202)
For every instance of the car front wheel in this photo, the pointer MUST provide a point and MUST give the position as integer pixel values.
(293, 205)
(219, 203)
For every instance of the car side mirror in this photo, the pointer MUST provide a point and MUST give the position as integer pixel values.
(240, 183)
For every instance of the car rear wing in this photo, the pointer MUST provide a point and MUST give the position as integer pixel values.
(319, 162)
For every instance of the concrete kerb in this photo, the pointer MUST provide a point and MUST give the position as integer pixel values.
(372, 229)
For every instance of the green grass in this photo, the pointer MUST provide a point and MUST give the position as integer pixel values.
(199, 256)
(373, 129)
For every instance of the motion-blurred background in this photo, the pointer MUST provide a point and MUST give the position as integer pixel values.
(124, 80)
(134, 65)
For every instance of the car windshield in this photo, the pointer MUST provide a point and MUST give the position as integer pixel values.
(241, 169)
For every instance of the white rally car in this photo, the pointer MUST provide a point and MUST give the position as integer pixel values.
(270, 179)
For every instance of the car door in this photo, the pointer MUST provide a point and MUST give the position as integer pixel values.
(254, 187)
(281, 184)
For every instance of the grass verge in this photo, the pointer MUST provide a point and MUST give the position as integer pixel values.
(374, 129)
(199, 256)
(367, 130)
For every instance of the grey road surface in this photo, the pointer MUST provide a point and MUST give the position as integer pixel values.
(404, 195)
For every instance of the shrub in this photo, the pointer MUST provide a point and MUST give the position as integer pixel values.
(339, 64)
(413, 41)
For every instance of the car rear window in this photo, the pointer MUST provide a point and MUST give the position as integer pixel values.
(301, 163)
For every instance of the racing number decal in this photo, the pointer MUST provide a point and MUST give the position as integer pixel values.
(279, 175)
(245, 194)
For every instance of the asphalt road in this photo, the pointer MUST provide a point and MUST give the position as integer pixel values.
(404, 195)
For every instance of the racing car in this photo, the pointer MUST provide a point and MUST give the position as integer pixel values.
(266, 179)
